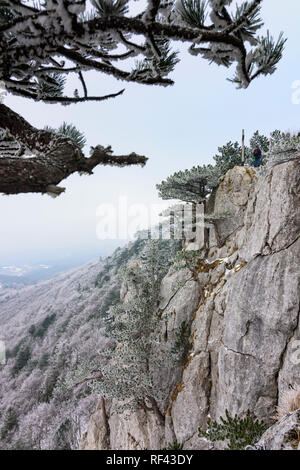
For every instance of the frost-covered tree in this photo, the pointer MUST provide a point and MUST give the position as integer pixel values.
(62, 435)
(284, 146)
(190, 185)
(10, 422)
(68, 130)
(58, 335)
(139, 354)
(36, 425)
(229, 156)
(44, 43)
(284, 141)
(21, 359)
(259, 140)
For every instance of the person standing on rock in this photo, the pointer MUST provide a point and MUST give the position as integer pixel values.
(257, 156)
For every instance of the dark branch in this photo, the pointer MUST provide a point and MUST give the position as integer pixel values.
(56, 157)
(83, 84)
(110, 69)
(63, 99)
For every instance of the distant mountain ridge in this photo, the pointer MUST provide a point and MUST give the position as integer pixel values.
(47, 328)
(17, 276)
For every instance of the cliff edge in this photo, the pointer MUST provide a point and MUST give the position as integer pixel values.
(244, 331)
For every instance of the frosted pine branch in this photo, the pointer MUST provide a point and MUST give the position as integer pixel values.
(32, 37)
(54, 157)
(43, 44)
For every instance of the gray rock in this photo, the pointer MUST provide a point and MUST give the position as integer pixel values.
(261, 315)
(272, 221)
(97, 434)
(243, 351)
(190, 400)
(284, 435)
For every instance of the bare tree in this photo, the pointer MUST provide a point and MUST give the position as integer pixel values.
(42, 44)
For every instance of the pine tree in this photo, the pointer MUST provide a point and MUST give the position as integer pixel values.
(259, 140)
(193, 186)
(49, 384)
(22, 359)
(190, 185)
(238, 431)
(229, 156)
(284, 146)
(10, 422)
(138, 356)
(44, 45)
(61, 440)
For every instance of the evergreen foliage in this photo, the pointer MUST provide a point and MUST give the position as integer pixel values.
(21, 360)
(43, 362)
(45, 45)
(13, 352)
(283, 146)
(61, 440)
(229, 156)
(182, 341)
(119, 260)
(49, 384)
(38, 331)
(106, 8)
(268, 53)
(238, 431)
(10, 422)
(192, 12)
(138, 354)
(20, 444)
(250, 27)
(187, 259)
(110, 299)
(69, 130)
(189, 185)
(103, 277)
(164, 64)
(196, 184)
(259, 140)
(175, 445)
(42, 353)
(104, 32)
(51, 85)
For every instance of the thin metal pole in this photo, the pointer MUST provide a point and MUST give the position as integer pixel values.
(243, 146)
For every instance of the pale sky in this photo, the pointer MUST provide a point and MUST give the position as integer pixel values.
(176, 127)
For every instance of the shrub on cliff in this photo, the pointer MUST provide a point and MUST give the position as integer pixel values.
(239, 432)
(130, 368)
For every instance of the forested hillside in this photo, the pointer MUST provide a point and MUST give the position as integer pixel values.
(48, 329)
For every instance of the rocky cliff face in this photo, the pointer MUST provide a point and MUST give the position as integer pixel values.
(243, 333)
(283, 435)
